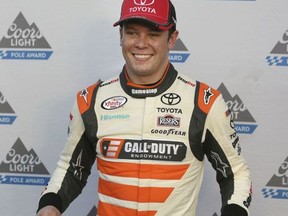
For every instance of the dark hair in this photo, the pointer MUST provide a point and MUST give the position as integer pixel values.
(149, 25)
(171, 31)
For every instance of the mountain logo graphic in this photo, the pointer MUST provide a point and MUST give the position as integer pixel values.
(93, 211)
(179, 54)
(7, 114)
(23, 167)
(24, 42)
(244, 121)
(277, 187)
(279, 54)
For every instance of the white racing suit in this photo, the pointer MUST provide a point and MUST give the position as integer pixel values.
(149, 143)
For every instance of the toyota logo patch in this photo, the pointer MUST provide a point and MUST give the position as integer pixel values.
(170, 99)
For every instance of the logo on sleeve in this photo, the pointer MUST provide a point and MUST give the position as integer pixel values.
(220, 165)
(207, 95)
(84, 94)
(78, 167)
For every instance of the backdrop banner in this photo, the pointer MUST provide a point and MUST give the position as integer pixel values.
(49, 50)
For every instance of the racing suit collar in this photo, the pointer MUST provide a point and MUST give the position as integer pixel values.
(142, 91)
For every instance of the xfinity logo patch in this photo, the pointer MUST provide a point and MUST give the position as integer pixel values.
(114, 102)
(143, 149)
(170, 99)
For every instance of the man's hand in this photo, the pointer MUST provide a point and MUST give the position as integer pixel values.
(49, 211)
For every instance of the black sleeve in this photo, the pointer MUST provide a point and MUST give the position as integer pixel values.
(233, 210)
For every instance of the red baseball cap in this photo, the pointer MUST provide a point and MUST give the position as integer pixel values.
(160, 13)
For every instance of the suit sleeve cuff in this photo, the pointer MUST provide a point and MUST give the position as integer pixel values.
(50, 199)
(233, 210)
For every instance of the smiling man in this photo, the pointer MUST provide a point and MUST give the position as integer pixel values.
(145, 50)
(152, 161)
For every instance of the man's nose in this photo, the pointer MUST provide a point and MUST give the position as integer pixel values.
(141, 41)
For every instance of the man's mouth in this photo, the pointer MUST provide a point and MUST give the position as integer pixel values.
(142, 56)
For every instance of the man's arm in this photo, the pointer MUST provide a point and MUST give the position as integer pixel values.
(73, 167)
(78, 155)
(222, 148)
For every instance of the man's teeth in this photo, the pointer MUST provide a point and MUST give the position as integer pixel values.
(142, 56)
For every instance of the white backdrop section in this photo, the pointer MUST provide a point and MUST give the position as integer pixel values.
(228, 42)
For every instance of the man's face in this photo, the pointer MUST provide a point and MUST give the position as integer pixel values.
(145, 50)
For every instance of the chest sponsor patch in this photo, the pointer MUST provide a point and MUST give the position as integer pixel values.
(168, 120)
(143, 149)
(114, 102)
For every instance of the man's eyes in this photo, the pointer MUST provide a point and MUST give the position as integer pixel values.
(152, 34)
(130, 32)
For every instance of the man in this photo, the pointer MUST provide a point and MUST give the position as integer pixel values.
(150, 153)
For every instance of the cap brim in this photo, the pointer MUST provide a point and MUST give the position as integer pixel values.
(149, 22)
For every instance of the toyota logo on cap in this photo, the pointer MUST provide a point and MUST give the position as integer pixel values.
(171, 99)
(144, 2)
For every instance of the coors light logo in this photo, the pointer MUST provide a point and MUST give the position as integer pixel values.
(93, 211)
(277, 187)
(24, 167)
(7, 114)
(244, 121)
(179, 53)
(24, 42)
(279, 54)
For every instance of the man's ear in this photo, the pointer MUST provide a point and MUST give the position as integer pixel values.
(173, 38)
